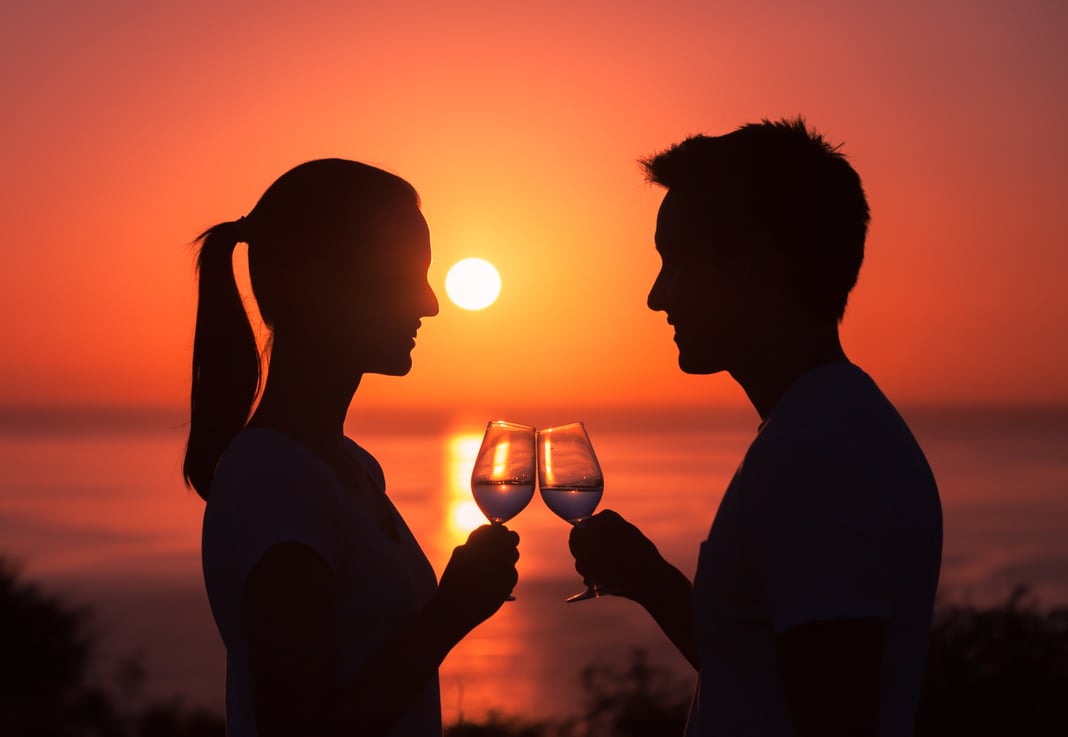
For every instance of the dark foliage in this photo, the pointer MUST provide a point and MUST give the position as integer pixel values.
(996, 671)
(639, 700)
(45, 654)
(1000, 670)
(991, 671)
(497, 725)
(161, 720)
(46, 649)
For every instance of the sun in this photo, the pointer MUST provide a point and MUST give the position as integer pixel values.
(473, 284)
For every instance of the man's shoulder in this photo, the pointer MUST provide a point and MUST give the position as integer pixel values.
(837, 399)
(834, 422)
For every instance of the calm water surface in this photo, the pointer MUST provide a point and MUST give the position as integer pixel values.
(101, 516)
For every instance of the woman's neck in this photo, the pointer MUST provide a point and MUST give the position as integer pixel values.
(307, 398)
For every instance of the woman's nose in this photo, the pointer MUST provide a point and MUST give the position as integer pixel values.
(431, 306)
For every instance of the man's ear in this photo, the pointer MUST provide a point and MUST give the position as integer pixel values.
(767, 252)
(769, 274)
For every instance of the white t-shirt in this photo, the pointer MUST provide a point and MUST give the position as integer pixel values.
(832, 514)
(268, 489)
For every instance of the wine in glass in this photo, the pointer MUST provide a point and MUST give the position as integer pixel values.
(502, 480)
(570, 479)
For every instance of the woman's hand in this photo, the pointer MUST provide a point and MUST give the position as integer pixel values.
(480, 574)
(478, 577)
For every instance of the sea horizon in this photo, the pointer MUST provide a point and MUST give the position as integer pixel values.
(87, 417)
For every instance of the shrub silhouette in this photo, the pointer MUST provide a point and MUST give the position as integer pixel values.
(46, 649)
(170, 720)
(996, 671)
(1001, 670)
(498, 725)
(638, 700)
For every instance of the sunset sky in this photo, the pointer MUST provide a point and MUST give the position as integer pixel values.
(129, 127)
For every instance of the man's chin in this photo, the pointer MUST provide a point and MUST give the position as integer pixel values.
(698, 365)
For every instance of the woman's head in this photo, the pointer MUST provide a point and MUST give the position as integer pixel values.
(338, 255)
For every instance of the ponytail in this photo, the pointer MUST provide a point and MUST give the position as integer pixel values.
(226, 361)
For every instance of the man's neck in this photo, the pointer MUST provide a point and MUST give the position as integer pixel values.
(773, 369)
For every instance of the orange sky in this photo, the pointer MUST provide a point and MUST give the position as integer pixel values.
(129, 127)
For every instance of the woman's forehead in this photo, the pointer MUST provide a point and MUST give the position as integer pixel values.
(400, 233)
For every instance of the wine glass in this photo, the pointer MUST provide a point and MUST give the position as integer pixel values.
(502, 480)
(570, 479)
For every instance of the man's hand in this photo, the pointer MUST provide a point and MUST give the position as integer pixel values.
(613, 553)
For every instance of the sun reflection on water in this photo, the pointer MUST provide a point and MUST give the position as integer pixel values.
(461, 513)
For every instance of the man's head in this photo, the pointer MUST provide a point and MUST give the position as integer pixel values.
(762, 223)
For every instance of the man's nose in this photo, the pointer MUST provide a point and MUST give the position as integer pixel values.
(658, 294)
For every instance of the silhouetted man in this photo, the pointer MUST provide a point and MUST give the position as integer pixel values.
(810, 610)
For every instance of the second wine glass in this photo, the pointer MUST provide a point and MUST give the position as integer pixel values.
(570, 479)
(503, 477)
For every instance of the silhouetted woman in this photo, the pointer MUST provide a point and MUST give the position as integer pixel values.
(331, 615)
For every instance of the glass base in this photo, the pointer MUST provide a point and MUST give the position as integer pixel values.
(593, 591)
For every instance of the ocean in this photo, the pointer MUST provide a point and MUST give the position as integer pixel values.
(93, 509)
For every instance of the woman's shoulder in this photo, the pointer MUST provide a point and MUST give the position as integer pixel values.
(269, 489)
(266, 458)
(369, 463)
